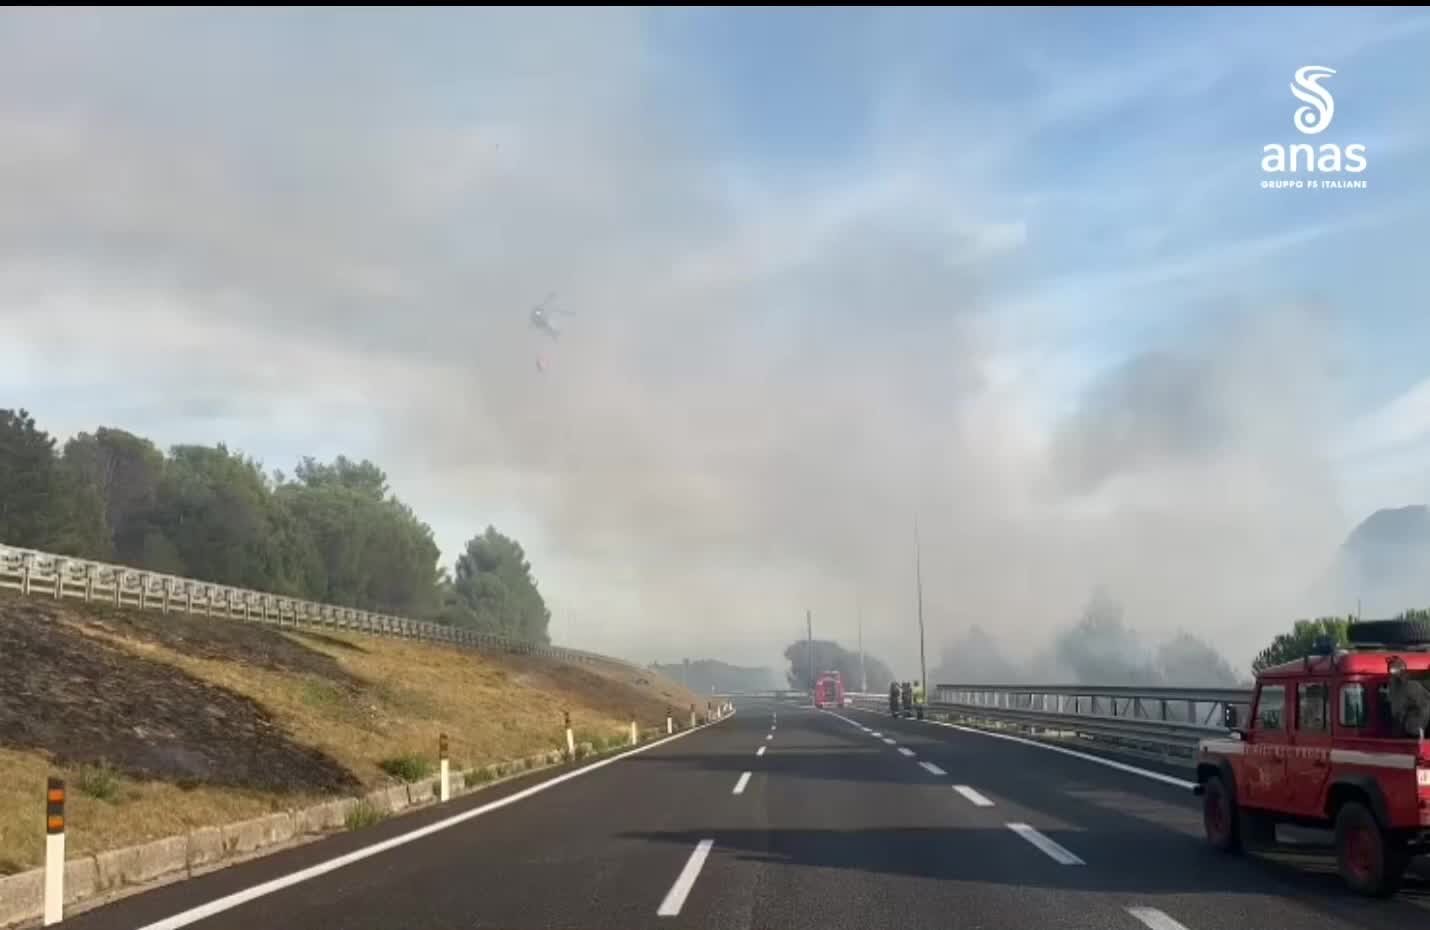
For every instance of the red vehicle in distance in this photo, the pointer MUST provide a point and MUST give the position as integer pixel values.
(829, 690)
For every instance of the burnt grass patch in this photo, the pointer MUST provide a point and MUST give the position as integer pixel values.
(87, 702)
(216, 638)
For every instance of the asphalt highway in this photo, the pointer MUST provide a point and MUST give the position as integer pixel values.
(788, 818)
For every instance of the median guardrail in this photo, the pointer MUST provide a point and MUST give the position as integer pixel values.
(767, 695)
(1162, 723)
(33, 572)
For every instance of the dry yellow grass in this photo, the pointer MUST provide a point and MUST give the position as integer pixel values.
(490, 708)
(143, 810)
(362, 700)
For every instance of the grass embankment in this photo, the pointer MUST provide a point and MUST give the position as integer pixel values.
(165, 722)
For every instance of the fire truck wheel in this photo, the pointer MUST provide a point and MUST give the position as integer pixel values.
(1219, 816)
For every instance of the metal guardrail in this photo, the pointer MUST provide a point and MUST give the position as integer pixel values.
(33, 572)
(1161, 723)
(767, 695)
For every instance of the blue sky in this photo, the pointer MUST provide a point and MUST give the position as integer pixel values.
(1012, 270)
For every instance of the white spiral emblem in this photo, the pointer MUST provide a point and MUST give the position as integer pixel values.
(1321, 106)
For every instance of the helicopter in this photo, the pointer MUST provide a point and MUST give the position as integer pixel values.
(541, 317)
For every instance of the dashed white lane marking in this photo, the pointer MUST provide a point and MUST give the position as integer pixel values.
(769, 736)
(1155, 919)
(761, 750)
(1052, 849)
(906, 750)
(876, 734)
(1088, 757)
(890, 742)
(977, 799)
(740, 785)
(675, 898)
(933, 769)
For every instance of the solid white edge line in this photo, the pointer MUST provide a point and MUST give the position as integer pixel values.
(904, 750)
(932, 769)
(675, 898)
(1088, 757)
(1051, 848)
(740, 785)
(977, 799)
(1155, 919)
(761, 750)
(219, 905)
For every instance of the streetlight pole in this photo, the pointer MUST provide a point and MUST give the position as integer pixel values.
(919, 588)
(859, 615)
(809, 646)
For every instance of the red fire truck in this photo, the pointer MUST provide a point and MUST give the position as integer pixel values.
(829, 690)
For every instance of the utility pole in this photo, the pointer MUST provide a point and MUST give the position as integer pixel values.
(919, 588)
(859, 615)
(809, 645)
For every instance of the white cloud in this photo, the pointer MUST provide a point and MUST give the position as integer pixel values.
(1403, 421)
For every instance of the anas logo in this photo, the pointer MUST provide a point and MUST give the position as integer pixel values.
(1302, 165)
(1320, 105)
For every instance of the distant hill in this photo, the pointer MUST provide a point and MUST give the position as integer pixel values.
(1385, 562)
(704, 676)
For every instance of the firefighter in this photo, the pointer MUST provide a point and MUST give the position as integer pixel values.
(893, 699)
(908, 698)
(919, 700)
(1409, 701)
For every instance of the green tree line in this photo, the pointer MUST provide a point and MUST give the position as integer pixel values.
(830, 656)
(332, 532)
(1299, 643)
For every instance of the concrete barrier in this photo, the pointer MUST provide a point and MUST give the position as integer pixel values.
(245, 836)
(21, 896)
(321, 818)
(206, 847)
(389, 800)
(423, 791)
(81, 879)
(136, 865)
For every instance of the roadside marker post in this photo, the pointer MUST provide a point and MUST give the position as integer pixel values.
(446, 773)
(669, 722)
(54, 851)
(692, 716)
(570, 738)
(635, 736)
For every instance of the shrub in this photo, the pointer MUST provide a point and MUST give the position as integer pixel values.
(100, 781)
(407, 768)
(362, 815)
